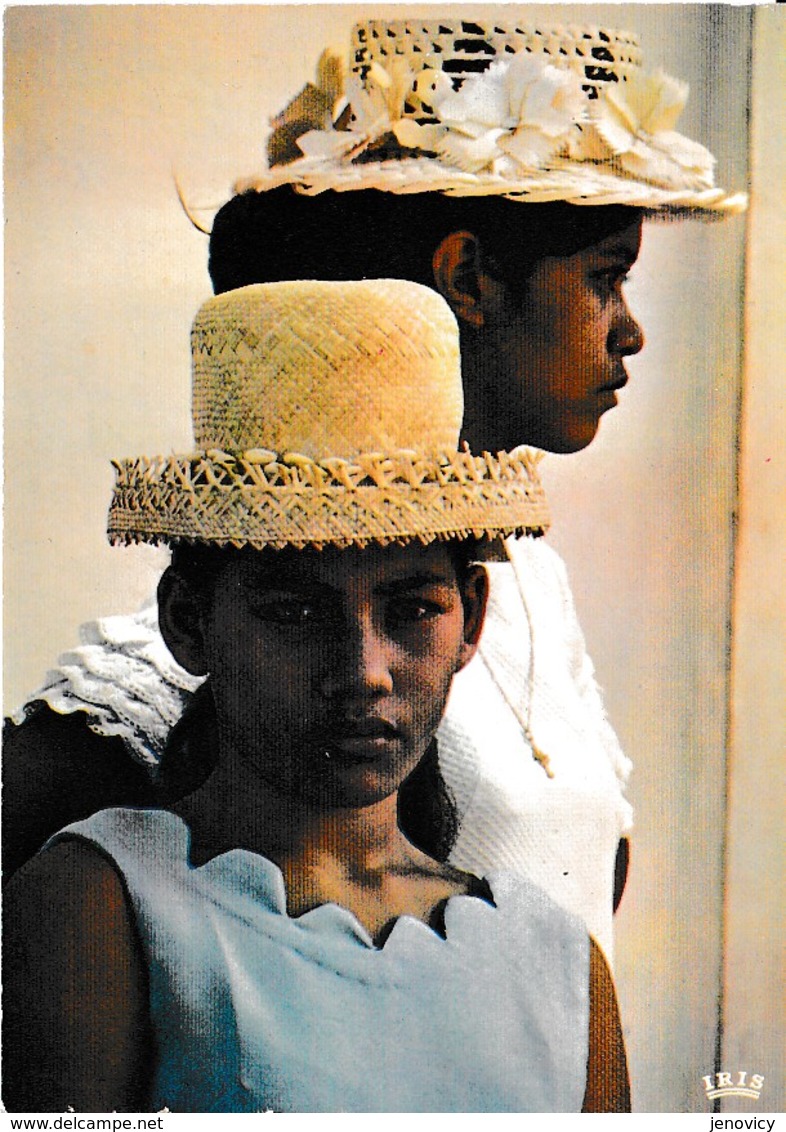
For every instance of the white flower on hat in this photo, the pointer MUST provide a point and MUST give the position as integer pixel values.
(425, 134)
(633, 122)
(526, 127)
(367, 110)
(548, 102)
(379, 101)
(520, 113)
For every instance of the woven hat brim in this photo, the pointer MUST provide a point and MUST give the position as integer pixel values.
(591, 185)
(201, 499)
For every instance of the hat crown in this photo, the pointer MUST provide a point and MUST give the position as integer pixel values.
(327, 369)
(326, 414)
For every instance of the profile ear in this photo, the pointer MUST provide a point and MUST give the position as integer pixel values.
(455, 264)
(463, 281)
(475, 596)
(181, 620)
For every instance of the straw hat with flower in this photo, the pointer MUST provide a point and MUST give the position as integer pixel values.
(473, 108)
(326, 414)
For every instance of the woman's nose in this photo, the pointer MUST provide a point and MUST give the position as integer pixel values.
(358, 664)
(627, 337)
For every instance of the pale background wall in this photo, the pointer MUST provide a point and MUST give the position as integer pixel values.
(103, 274)
(755, 997)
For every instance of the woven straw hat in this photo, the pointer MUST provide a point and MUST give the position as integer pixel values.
(326, 414)
(474, 108)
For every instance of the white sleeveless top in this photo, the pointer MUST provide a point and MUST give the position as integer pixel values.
(255, 1011)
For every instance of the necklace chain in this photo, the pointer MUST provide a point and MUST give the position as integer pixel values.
(524, 723)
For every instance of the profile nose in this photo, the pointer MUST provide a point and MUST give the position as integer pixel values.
(358, 664)
(627, 337)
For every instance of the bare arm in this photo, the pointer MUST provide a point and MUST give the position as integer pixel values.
(608, 1087)
(75, 1023)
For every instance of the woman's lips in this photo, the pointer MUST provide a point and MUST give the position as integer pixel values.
(607, 394)
(361, 739)
(620, 380)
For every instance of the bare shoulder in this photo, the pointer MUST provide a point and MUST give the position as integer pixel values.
(75, 1019)
(71, 867)
(608, 1088)
(71, 892)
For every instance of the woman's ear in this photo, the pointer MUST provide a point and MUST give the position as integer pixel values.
(455, 265)
(460, 277)
(474, 595)
(181, 620)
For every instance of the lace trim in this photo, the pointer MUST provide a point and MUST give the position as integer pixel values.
(125, 680)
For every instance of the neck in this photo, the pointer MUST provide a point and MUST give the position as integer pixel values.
(229, 813)
(481, 428)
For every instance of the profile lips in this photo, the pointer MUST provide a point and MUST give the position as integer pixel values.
(613, 386)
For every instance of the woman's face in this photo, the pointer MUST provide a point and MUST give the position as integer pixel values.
(559, 351)
(330, 670)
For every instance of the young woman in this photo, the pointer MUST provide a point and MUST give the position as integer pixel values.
(531, 254)
(288, 936)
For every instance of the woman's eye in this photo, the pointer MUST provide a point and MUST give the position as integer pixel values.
(408, 610)
(287, 612)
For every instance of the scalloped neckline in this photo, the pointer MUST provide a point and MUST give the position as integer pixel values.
(275, 893)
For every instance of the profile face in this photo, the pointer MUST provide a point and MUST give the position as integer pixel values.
(560, 351)
(330, 669)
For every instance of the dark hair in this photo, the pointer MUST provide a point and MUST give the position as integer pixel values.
(427, 811)
(367, 234)
(199, 564)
